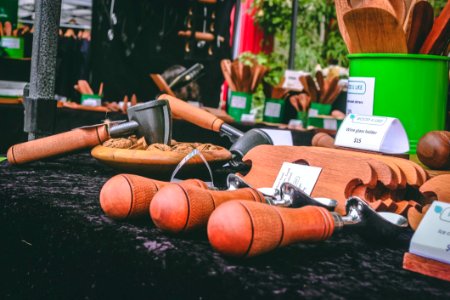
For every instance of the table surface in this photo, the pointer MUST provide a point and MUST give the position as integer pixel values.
(57, 243)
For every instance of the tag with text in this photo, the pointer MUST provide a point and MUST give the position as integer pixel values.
(280, 137)
(432, 237)
(291, 80)
(381, 134)
(302, 176)
(360, 94)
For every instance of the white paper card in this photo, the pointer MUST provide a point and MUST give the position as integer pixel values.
(272, 109)
(330, 124)
(295, 123)
(291, 80)
(280, 137)
(10, 42)
(360, 94)
(92, 102)
(381, 134)
(248, 118)
(238, 101)
(432, 237)
(302, 176)
(312, 112)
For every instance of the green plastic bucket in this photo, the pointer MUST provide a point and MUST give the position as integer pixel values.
(410, 87)
(239, 103)
(273, 110)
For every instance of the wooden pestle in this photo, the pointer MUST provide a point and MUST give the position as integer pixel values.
(57, 144)
(245, 229)
(322, 139)
(127, 196)
(181, 208)
(433, 149)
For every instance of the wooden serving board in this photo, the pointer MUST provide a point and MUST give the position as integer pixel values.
(158, 164)
(339, 176)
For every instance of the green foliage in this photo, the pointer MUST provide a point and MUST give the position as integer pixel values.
(275, 63)
(318, 40)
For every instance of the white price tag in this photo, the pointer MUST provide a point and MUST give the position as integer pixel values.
(238, 101)
(280, 137)
(432, 237)
(381, 134)
(302, 176)
(360, 94)
(312, 112)
(295, 123)
(272, 109)
(291, 80)
(92, 102)
(248, 118)
(330, 124)
(10, 42)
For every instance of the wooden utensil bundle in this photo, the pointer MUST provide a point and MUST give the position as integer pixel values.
(392, 26)
(242, 77)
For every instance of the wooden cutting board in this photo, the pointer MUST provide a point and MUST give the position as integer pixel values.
(339, 176)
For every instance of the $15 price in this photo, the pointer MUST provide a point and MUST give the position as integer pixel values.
(357, 140)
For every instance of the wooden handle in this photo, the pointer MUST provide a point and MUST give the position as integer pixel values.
(433, 150)
(193, 114)
(127, 196)
(179, 208)
(244, 229)
(322, 139)
(437, 38)
(57, 144)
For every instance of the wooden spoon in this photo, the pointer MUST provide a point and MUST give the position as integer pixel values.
(437, 39)
(321, 81)
(1, 29)
(342, 7)
(313, 92)
(384, 4)
(225, 65)
(399, 7)
(409, 9)
(7, 28)
(422, 17)
(374, 30)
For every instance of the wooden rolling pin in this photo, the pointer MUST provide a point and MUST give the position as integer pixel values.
(181, 208)
(433, 150)
(245, 229)
(57, 144)
(127, 196)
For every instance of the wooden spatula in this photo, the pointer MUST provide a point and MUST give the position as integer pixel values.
(342, 7)
(225, 65)
(437, 39)
(399, 7)
(383, 4)
(374, 30)
(422, 17)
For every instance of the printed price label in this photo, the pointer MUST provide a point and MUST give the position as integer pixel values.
(10, 42)
(373, 133)
(272, 109)
(291, 80)
(238, 101)
(302, 176)
(248, 118)
(330, 124)
(312, 112)
(360, 94)
(432, 237)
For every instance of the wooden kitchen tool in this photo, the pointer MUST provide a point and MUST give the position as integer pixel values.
(162, 84)
(422, 17)
(374, 30)
(437, 188)
(182, 208)
(127, 196)
(339, 175)
(342, 7)
(383, 4)
(437, 39)
(433, 150)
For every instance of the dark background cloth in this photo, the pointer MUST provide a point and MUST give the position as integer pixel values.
(56, 243)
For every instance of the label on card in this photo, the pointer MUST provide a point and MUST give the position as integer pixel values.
(238, 101)
(330, 124)
(291, 80)
(432, 237)
(381, 134)
(360, 94)
(312, 112)
(248, 118)
(272, 109)
(10, 42)
(302, 176)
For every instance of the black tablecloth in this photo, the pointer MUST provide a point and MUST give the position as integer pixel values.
(57, 243)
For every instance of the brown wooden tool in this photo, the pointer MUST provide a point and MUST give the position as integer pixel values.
(57, 144)
(383, 4)
(342, 7)
(339, 175)
(162, 84)
(422, 17)
(437, 39)
(201, 36)
(425, 266)
(374, 30)
(7, 28)
(243, 229)
(433, 150)
(437, 188)
(127, 196)
(181, 208)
